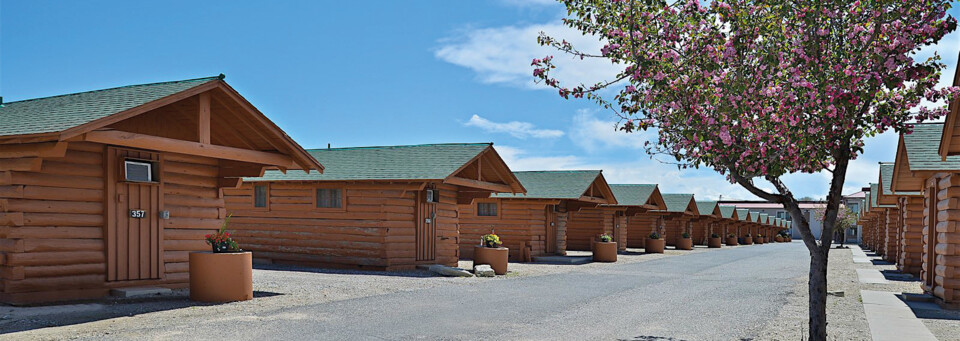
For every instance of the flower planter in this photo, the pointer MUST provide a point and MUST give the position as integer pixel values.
(747, 240)
(684, 244)
(714, 243)
(759, 240)
(732, 241)
(778, 239)
(221, 277)
(654, 245)
(604, 251)
(496, 257)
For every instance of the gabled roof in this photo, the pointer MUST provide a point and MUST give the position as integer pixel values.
(708, 208)
(886, 194)
(744, 214)
(762, 218)
(638, 195)
(946, 145)
(921, 147)
(680, 203)
(874, 194)
(728, 212)
(564, 185)
(777, 222)
(112, 116)
(59, 113)
(412, 163)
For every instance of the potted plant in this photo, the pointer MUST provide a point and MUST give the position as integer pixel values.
(225, 273)
(685, 242)
(654, 244)
(714, 241)
(491, 252)
(747, 239)
(759, 239)
(732, 239)
(604, 249)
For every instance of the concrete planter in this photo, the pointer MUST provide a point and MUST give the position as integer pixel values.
(759, 240)
(684, 244)
(496, 257)
(747, 240)
(714, 243)
(604, 251)
(732, 241)
(655, 245)
(221, 277)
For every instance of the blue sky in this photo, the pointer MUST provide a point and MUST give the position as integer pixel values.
(368, 73)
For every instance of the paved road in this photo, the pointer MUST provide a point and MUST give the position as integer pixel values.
(722, 295)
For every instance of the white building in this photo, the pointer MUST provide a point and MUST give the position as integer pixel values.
(808, 208)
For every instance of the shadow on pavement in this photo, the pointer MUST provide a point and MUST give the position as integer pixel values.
(300, 268)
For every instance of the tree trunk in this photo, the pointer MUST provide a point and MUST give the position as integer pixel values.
(818, 296)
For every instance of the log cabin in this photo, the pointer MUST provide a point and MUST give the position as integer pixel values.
(729, 221)
(936, 174)
(881, 214)
(380, 208)
(533, 224)
(114, 188)
(909, 185)
(897, 219)
(746, 217)
(677, 218)
(587, 218)
(645, 199)
(706, 223)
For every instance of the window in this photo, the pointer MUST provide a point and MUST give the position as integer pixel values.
(328, 198)
(487, 209)
(260, 196)
(855, 207)
(138, 171)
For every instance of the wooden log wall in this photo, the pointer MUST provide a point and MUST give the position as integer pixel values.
(52, 223)
(639, 228)
(946, 270)
(891, 239)
(911, 235)
(521, 226)
(375, 228)
(584, 225)
(674, 225)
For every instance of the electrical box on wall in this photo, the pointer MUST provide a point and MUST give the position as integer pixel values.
(431, 195)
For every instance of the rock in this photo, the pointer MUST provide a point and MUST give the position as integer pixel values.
(449, 271)
(836, 293)
(483, 270)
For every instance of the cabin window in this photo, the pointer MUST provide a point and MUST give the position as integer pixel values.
(487, 209)
(138, 171)
(260, 196)
(329, 198)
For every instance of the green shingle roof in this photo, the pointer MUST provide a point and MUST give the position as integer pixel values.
(417, 162)
(886, 179)
(677, 203)
(743, 213)
(59, 113)
(706, 207)
(874, 189)
(554, 184)
(763, 218)
(922, 149)
(727, 211)
(632, 194)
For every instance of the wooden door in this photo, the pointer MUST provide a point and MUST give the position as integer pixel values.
(931, 274)
(426, 228)
(551, 226)
(134, 235)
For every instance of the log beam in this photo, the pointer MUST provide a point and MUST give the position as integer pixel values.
(44, 149)
(203, 119)
(25, 164)
(495, 187)
(163, 144)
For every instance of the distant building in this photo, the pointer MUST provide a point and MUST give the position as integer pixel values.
(855, 203)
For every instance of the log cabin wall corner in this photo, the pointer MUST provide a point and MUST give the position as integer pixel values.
(113, 188)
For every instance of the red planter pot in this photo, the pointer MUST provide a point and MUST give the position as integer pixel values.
(604, 251)
(684, 244)
(714, 243)
(496, 257)
(732, 241)
(654, 245)
(747, 240)
(221, 277)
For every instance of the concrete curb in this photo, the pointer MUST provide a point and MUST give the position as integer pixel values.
(891, 319)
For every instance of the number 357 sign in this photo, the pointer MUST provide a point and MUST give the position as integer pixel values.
(138, 214)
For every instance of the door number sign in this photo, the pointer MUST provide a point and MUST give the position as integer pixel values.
(138, 214)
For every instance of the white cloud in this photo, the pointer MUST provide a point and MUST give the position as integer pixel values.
(520, 160)
(592, 133)
(516, 129)
(502, 55)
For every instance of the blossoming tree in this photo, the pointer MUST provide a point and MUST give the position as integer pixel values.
(757, 89)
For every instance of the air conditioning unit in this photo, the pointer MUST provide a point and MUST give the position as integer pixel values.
(432, 195)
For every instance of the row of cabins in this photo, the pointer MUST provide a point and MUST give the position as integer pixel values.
(114, 188)
(912, 213)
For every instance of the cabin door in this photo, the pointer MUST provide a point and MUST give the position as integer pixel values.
(931, 247)
(134, 233)
(550, 246)
(426, 225)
